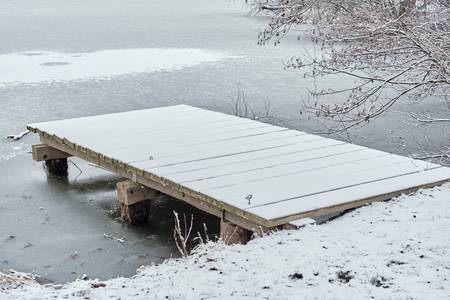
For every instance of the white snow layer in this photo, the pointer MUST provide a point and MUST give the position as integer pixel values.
(393, 250)
(41, 66)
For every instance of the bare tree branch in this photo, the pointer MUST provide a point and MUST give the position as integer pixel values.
(392, 49)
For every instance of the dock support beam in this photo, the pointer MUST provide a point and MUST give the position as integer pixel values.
(58, 167)
(134, 200)
(233, 234)
(55, 160)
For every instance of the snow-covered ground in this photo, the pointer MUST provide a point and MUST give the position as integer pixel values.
(393, 250)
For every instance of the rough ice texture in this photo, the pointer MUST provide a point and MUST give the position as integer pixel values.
(392, 250)
(42, 66)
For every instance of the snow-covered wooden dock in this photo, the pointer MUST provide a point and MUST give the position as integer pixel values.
(250, 174)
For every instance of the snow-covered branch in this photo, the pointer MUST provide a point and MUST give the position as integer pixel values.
(391, 49)
(181, 235)
(16, 137)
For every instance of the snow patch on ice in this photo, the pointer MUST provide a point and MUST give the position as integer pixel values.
(42, 66)
(12, 151)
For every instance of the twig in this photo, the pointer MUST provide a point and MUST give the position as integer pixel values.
(205, 229)
(427, 118)
(79, 169)
(180, 239)
(18, 136)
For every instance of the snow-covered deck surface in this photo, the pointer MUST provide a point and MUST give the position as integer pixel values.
(271, 172)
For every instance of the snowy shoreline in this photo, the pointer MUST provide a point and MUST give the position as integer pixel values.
(392, 250)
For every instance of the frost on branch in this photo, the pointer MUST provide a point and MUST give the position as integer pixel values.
(391, 49)
(182, 234)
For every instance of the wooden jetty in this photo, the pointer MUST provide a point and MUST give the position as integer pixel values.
(253, 176)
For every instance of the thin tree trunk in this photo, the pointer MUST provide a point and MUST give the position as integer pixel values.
(406, 6)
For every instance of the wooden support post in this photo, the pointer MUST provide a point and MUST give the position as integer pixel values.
(233, 234)
(135, 214)
(134, 201)
(55, 160)
(58, 167)
(43, 152)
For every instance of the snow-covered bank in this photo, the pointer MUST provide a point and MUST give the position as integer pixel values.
(392, 250)
(41, 66)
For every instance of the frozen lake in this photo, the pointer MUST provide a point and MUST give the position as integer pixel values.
(62, 59)
(47, 67)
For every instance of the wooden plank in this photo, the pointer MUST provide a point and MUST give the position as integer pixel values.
(349, 197)
(306, 148)
(43, 152)
(161, 131)
(219, 148)
(296, 185)
(277, 170)
(296, 224)
(187, 134)
(233, 167)
(128, 121)
(228, 151)
(131, 193)
(104, 122)
(141, 122)
(153, 148)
